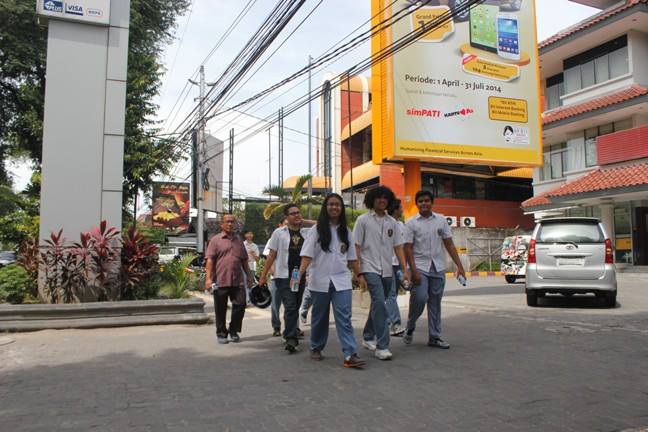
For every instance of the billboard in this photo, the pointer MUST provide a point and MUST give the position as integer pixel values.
(213, 175)
(86, 11)
(171, 204)
(466, 92)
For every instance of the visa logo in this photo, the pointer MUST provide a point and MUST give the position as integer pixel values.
(73, 9)
(53, 6)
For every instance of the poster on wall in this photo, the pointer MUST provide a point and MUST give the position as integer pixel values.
(171, 204)
(466, 92)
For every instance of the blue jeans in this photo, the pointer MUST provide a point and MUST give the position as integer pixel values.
(376, 325)
(289, 300)
(275, 306)
(307, 302)
(341, 301)
(393, 313)
(430, 293)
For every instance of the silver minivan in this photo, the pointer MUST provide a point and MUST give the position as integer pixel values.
(570, 255)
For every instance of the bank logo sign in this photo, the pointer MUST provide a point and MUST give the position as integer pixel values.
(86, 11)
(54, 6)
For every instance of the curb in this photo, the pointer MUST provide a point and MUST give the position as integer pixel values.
(477, 273)
(18, 318)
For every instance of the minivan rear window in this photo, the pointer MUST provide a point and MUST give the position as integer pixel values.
(570, 232)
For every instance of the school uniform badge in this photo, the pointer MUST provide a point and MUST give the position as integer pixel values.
(390, 232)
(343, 248)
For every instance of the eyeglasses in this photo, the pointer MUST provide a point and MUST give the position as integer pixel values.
(294, 213)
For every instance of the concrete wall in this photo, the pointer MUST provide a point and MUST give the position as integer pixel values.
(638, 53)
(83, 130)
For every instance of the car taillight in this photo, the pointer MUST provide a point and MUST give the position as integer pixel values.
(609, 252)
(532, 255)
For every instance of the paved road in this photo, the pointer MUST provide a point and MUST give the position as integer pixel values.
(569, 365)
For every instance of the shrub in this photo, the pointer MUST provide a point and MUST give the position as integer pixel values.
(16, 286)
(139, 262)
(178, 277)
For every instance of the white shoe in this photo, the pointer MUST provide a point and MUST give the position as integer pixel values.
(370, 345)
(396, 330)
(383, 354)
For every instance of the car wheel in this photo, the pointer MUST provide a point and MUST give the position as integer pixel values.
(610, 299)
(510, 279)
(532, 299)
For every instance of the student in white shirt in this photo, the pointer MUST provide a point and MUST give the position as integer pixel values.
(391, 302)
(329, 251)
(378, 237)
(428, 238)
(285, 246)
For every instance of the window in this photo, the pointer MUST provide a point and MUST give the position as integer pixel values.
(555, 162)
(575, 152)
(570, 232)
(596, 65)
(555, 89)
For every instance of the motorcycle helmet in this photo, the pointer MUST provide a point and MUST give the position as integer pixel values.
(260, 296)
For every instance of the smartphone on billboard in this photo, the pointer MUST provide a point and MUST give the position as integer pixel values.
(508, 36)
(483, 26)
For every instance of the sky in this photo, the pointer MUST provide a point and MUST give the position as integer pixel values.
(198, 32)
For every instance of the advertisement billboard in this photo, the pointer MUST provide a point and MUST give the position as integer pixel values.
(466, 92)
(86, 11)
(171, 204)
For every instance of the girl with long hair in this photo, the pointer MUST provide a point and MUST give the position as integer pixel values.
(329, 251)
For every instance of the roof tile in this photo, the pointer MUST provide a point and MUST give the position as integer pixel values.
(594, 19)
(562, 113)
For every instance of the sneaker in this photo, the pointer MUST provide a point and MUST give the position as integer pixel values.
(383, 354)
(291, 348)
(303, 317)
(354, 362)
(316, 355)
(276, 332)
(438, 343)
(408, 337)
(222, 340)
(370, 345)
(396, 330)
(235, 337)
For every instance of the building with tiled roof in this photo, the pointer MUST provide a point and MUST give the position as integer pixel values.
(595, 125)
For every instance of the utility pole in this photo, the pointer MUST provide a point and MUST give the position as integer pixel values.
(200, 240)
(310, 155)
(281, 148)
(200, 155)
(350, 143)
(270, 159)
(231, 172)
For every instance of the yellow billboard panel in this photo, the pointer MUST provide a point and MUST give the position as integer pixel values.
(465, 92)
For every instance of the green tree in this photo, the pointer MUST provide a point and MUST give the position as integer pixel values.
(22, 84)
(296, 196)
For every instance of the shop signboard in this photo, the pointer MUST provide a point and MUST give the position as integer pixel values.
(85, 11)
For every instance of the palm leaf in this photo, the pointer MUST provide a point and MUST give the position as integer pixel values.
(271, 209)
(277, 191)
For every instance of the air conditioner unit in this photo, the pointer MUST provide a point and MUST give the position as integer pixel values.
(468, 222)
(452, 221)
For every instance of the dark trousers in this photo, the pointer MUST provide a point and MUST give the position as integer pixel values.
(291, 301)
(237, 296)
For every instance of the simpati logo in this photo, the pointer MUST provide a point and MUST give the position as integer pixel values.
(98, 13)
(73, 9)
(53, 6)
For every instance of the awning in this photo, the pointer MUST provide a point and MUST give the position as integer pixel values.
(601, 182)
(362, 173)
(526, 173)
(357, 125)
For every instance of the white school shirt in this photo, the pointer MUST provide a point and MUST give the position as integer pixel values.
(377, 237)
(249, 248)
(426, 235)
(403, 230)
(280, 242)
(327, 267)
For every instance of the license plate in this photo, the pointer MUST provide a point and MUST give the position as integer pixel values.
(574, 262)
